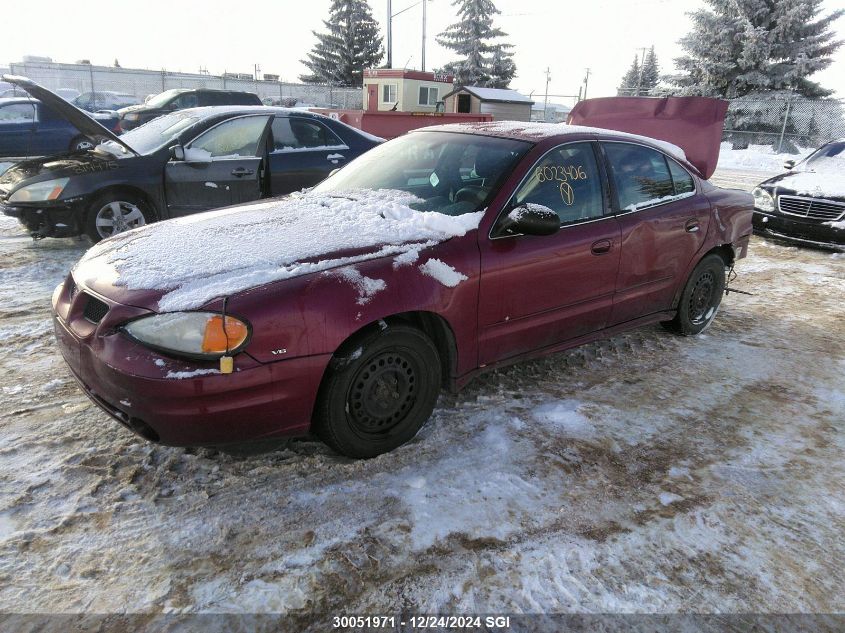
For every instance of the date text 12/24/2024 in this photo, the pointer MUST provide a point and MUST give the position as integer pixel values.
(432, 622)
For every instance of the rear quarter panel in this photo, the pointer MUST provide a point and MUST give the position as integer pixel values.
(732, 211)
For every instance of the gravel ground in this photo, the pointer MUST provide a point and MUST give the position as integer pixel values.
(645, 473)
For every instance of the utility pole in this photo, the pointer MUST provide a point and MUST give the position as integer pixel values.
(425, 5)
(586, 82)
(546, 99)
(389, 34)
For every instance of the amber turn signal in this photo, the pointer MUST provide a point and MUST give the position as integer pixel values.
(219, 340)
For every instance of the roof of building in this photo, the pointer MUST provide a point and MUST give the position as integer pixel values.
(499, 95)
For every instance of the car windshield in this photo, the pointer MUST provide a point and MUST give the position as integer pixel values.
(159, 132)
(161, 99)
(829, 158)
(450, 172)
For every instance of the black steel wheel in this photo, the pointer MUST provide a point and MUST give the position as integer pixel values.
(701, 297)
(379, 391)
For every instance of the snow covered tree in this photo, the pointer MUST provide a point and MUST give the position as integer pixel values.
(352, 43)
(738, 47)
(472, 39)
(502, 67)
(651, 73)
(640, 80)
(628, 87)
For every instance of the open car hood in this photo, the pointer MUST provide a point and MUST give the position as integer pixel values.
(81, 120)
(694, 124)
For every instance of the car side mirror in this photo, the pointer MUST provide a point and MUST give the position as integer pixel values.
(177, 152)
(788, 164)
(532, 219)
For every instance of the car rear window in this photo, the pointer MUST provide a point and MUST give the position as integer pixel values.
(641, 175)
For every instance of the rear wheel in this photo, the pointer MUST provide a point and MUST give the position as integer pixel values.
(115, 213)
(701, 297)
(379, 393)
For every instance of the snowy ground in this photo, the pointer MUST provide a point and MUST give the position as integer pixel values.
(645, 473)
(758, 158)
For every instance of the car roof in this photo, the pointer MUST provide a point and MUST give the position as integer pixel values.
(535, 132)
(8, 100)
(206, 111)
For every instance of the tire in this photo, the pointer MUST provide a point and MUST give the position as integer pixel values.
(380, 393)
(701, 298)
(80, 143)
(100, 219)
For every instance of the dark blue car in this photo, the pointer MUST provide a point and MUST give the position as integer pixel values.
(30, 128)
(181, 163)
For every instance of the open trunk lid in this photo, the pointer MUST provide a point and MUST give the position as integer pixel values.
(81, 120)
(694, 124)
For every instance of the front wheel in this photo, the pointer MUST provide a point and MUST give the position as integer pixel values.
(80, 144)
(379, 392)
(115, 213)
(701, 297)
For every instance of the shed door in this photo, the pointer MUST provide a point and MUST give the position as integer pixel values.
(464, 103)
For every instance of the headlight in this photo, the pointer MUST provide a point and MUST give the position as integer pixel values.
(192, 334)
(40, 191)
(763, 200)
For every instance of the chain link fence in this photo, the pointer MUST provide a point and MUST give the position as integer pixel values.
(137, 83)
(786, 123)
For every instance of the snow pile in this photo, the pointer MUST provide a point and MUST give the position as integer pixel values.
(566, 418)
(200, 257)
(516, 214)
(442, 272)
(757, 158)
(366, 287)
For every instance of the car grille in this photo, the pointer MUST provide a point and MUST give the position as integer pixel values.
(95, 309)
(811, 208)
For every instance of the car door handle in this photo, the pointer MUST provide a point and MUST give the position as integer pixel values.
(692, 226)
(334, 158)
(242, 171)
(601, 247)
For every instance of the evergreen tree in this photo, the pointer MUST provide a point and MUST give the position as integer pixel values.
(351, 44)
(502, 67)
(741, 46)
(651, 73)
(630, 81)
(471, 38)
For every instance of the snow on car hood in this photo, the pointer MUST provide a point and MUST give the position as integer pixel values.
(821, 184)
(201, 257)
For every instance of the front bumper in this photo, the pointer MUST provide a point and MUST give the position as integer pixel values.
(57, 219)
(156, 396)
(799, 231)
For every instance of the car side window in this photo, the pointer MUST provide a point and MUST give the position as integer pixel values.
(567, 181)
(295, 133)
(239, 137)
(17, 113)
(680, 177)
(185, 100)
(641, 175)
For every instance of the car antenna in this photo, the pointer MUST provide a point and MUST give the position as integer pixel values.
(227, 363)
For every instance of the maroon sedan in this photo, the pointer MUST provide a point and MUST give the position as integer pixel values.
(344, 310)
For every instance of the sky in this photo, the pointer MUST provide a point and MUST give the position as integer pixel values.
(564, 36)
